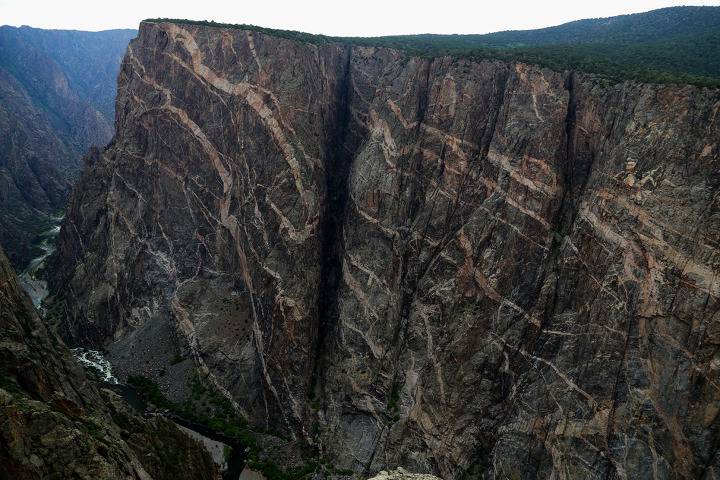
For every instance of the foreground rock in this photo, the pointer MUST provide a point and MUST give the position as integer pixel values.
(55, 423)
(435, 264)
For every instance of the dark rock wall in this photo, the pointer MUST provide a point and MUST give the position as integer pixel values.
(479, 264)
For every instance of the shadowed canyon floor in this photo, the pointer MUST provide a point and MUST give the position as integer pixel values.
(57, 423)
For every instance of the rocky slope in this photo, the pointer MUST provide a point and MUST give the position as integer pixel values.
(57, 91)
(434, 264)
(55, 423)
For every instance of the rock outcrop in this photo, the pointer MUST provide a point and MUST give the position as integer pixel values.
(56, 423)
(57, 90)
(401, 474)
(464, 266)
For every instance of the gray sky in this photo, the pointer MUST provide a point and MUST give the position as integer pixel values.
(364, 18)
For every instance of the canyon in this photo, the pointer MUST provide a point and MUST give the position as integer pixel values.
(57, 422)
(428, 263)
(57, 98)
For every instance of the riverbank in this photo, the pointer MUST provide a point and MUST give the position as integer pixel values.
(220, 451)
(226, 452)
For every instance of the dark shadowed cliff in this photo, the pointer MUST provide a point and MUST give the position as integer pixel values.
(461, 264)
(57, 91)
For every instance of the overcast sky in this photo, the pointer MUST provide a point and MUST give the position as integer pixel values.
(364, 18)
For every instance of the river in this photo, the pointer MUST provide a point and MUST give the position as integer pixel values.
(37, 287)
(226, 452)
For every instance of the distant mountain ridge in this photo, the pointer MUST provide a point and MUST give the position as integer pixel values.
(655, 25)
(57, 97)
(668, 45)
(90, 60)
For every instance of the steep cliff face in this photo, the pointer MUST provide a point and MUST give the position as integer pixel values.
(55, 423)
(463, 264)
(56, 100)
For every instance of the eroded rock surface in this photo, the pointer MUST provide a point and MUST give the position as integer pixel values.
(481, 265)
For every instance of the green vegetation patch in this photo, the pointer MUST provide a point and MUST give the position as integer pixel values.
(296, 36)
(226, 421)
(176, 359)
(394, 397)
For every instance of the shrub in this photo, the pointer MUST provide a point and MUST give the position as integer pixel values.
(394, 397)
(176, 359)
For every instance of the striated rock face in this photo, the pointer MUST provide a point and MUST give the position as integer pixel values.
(56, 100)
(467, 266)
(55, 423)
